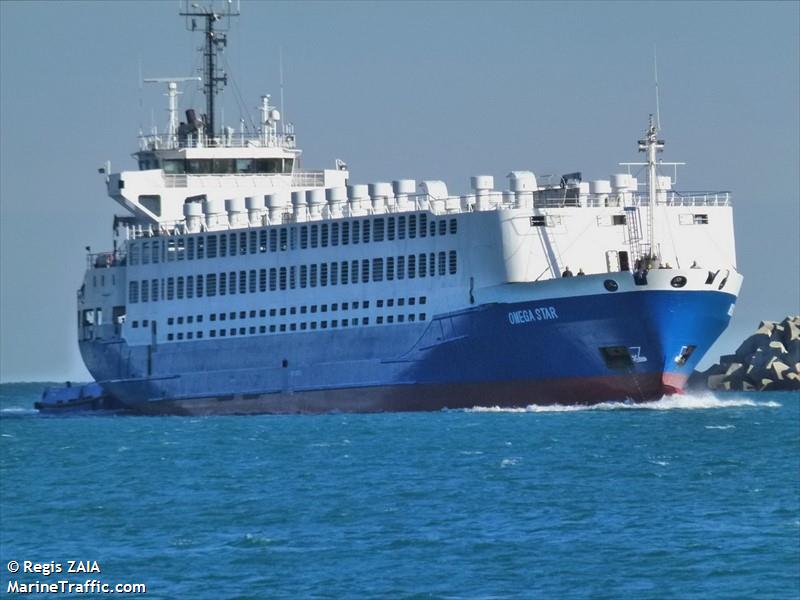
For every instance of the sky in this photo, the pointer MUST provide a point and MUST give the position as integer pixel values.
(421, 90)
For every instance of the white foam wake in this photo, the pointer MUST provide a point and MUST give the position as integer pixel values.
(676, 402)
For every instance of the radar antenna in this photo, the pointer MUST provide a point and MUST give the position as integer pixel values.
(215, 42)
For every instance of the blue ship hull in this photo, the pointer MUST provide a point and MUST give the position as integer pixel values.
(561, 350)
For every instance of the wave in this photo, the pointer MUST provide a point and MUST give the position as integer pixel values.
(18, 411)
(700, 401)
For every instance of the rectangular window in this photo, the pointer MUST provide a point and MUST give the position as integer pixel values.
(432, 264)
(365, 231)
(181, 248)
(453, 226)
(345, 233)
(145, 253)
(619, 219)
(303, 276)
(423, 225)
(314, 236)
(283, 238)
(377, 230)
(401, 267)
(171, 246)
(154, 297)
(243, 243)
(190, 286)
(262, 241)
(334, 273)
(282, 278)
(133, 292)
(452, 262)
(334, 234)
(354, 271)
(133, 254)
(389, 268)
(699, 219)
(170, 288)
(145, 291)
(412, 266)
(323, 274)
(324, 235)
(262, 280)
(232, 244)
(253, 242)
(365, 268)
(181, 287)
(223, 284)
(211, 246)
(252, 281)
(538, 221)
(232, 282)
(273, 240)
(313, 276)
(412, 226)
(190, 248)
(199, 286)
(432, 228)
(273, 279)
(356, 236)
(242, 282)
(442, 227)
(292, 277)
(442, 263)
(211, 284)
(390, 229)
(304, 237)
(401, 228)
(156, 251)
(423, 265)
(223, 244)
(201, 248)
(377, 269)
(343, 272)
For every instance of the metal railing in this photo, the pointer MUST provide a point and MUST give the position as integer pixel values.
(166, 141)
(300, 178)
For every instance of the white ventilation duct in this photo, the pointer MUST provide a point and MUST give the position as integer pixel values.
(357, 194)
(299, 206)
(316, 200)
(436, 192)
(237, 216)
(381, 193)
(255, 209)
(276, 204)
(403, 188)
(337, 197)
(523, 184)
(482, 185)
(193, 212)
(214, 210)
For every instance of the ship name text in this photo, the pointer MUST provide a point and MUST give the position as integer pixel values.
(544, 313)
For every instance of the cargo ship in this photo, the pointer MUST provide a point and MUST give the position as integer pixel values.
(241, 283)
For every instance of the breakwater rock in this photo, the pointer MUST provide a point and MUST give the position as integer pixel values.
(768, 360)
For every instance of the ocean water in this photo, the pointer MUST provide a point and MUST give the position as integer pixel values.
(687, 497)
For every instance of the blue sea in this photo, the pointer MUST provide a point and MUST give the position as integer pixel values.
(687, 497)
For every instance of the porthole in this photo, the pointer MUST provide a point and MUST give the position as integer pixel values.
(678, 281)
(611, 285)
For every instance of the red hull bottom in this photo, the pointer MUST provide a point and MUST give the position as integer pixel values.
(422, 397)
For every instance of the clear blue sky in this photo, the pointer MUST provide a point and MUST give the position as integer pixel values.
(409, 89)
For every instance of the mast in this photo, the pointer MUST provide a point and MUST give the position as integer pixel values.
(652, 146)
(215, 42)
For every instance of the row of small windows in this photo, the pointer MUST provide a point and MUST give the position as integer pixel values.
(331, 314)
(302, 276)
(302, 326)
(320, 235)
